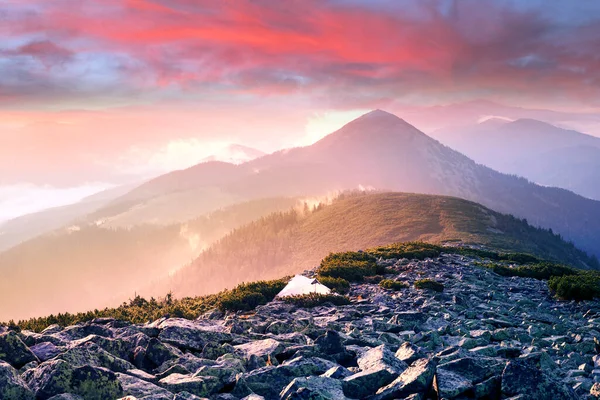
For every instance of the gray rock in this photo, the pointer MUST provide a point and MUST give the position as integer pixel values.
(417, 378)
(14, 351)
(46, 350)
(313, 387)
(521, 377)
(198, 385)
(11, 385)
(379, 366)
(408, 353)
(192, 335)
(267, 349)
(269, 381)
(139, 388)
(450, 385)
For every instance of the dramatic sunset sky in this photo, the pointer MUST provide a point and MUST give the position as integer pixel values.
(99, 93)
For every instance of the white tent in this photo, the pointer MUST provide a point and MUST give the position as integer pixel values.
(302, 285)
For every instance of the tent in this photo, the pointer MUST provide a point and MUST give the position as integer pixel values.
(302, 285)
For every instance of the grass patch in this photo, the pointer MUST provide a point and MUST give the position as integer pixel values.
(582, 286)
(137, 310)
(429, 284)
(410, 250)
(338, 285)
(244, 297)
(248, 296)
(541, 271)
(316, 299)
(351, 266)
(392, 284)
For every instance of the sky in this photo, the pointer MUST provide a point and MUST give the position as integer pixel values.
(99, 93)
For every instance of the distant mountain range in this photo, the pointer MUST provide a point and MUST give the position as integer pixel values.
(101, 267)
(136, 233)
(377, 150)
(21, 229)
(540, 152)
(288, 243)
(235, 154)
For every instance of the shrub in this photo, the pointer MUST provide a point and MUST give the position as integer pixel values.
(542, 271)
(316, 299)
(373, 279)
(338, 285)
(520, 258)
(393, 285)
(429, 284)
(410, 250)
(351, 266)
(584, 286)
(247, 296)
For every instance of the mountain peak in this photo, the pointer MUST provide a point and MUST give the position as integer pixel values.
(380, 114)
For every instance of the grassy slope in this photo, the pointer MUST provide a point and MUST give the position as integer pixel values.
(287, 243)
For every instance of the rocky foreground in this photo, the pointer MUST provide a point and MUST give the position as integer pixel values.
(483, 337)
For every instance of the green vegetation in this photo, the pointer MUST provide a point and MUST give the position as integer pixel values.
(137, 310)
(392, 284)
(351, 266)
(337, 285)
(284, 243)
(248, 296)
(410, 250)
(429, 284)
(541, 271)
(582, 286)
(244, 297)
(565, 282)
(316, 299)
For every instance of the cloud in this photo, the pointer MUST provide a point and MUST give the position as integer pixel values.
(23, 199)
(318, 48)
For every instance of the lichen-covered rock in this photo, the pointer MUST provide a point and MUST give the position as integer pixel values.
(14, 351)
(45, 351)
(198, 385)
(267, 349)
(66, 396)
(88, 353)
(268, 381)
(521, 377)
(133, 386)
(379, 366)
(94, 383)
(157, 353)
(313, 387)
(417, 378)
(50, 378)
(408, 353)
(192, 335)
(449, 384)
(11, 385)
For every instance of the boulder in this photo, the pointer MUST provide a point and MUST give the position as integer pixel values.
(379, 366)
(45, 351)
(57, 376)
(313, 387)
(133, 386)
(192, 335)
(416, 379)
(408, 353)
(11, 385)
(267, 349)
(198, 385)
(89, 353)
(270, 380)
(522, 377)
(14, 351)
